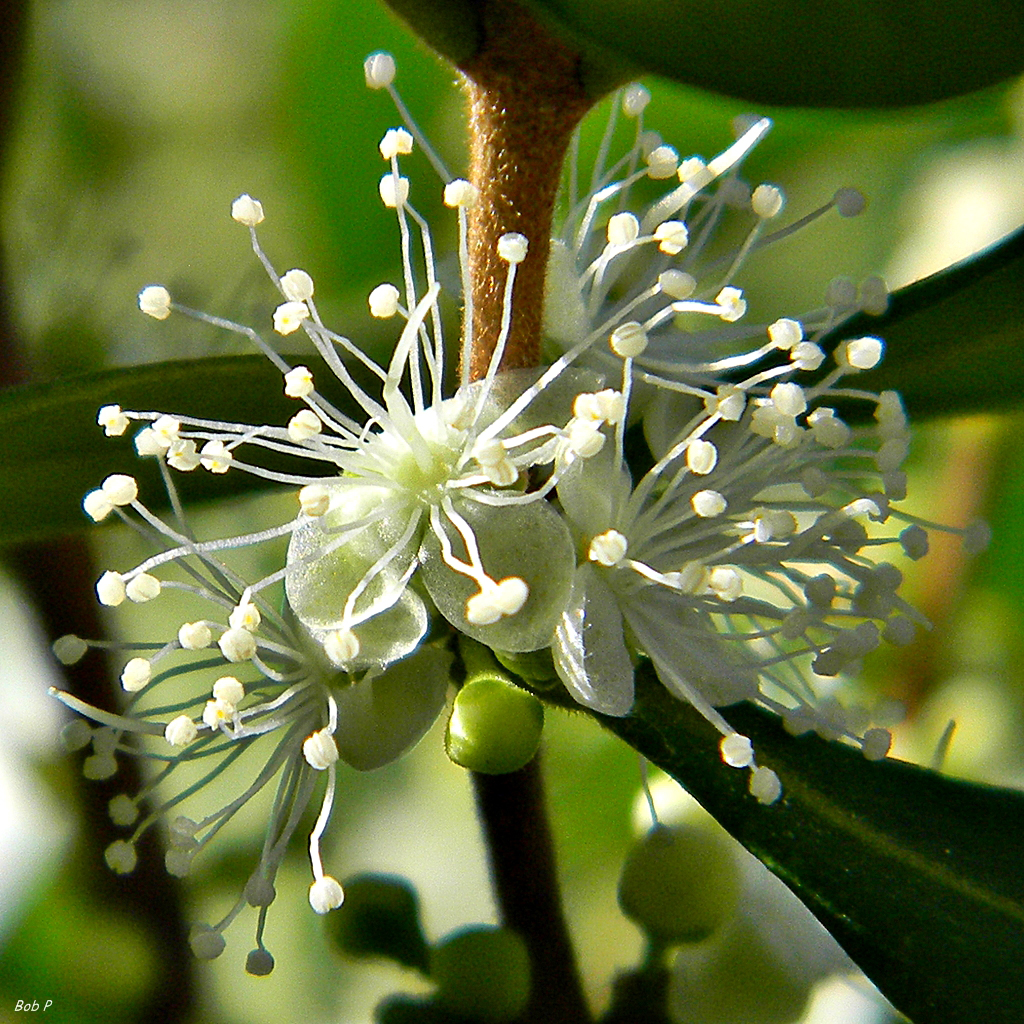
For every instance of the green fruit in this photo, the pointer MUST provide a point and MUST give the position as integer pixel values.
(680, 884)
(482, 973)
(495, 727)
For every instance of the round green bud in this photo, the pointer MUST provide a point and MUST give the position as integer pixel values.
(380, 917)
(495, 727)
(482, 973)
(680, 884)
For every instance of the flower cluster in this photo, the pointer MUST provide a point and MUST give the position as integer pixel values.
(740, 562)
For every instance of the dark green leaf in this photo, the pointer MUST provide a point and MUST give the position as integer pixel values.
(452, 27)
(845, 53)
(954, 341)
(917, 875)
(53, 452)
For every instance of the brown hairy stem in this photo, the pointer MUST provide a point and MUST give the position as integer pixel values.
(525, 98)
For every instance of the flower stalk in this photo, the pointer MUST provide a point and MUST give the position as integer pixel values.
(525, 97)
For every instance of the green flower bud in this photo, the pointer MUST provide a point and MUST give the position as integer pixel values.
(482, 973)
(495, 727)
(680, 884)
(380, 917)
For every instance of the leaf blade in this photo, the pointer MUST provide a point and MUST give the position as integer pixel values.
(917, 875)
(54, 452)
(844, 54)
(954, 340)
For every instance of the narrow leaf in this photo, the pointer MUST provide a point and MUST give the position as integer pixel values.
(846, 53)
(53, 452)
(917, 875)
(954, 341)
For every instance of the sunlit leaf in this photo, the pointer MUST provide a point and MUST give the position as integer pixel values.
(954, 340)
(846, 53)
(917, 875)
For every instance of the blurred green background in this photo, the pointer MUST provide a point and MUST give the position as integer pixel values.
(133, 126)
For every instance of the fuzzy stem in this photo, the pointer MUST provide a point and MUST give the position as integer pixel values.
(511, 809)
(525, 98)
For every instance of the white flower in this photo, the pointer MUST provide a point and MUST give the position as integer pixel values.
(746, 562)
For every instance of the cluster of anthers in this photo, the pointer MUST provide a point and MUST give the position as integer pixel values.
(740, 563)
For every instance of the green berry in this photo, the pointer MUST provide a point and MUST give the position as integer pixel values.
(482, 973)
(495, 727)
(680, 884)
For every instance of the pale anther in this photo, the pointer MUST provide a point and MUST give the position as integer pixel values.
(136, 674)
(97, 505)
(298, 382)
(732, 304)
(708, 504)
(628, 340)
(218, 713)
(725, 582)
(297, 286)
(245, 615)
(677, 284)
(512, 247)
(849, 202)
(672, 237)
(69, 649)
(120, 489)
(304, 425)
(341, 646)
(767, 201)
(662, 162)
(765, 785)
(623, 228)
(112, 420)
(320, 750)
(142, 588)
(326, 894)
(396, 142)
(315, 499)
(789, 399)
(608, 548)
(383, 301)
(237, 644)
(229, 690)
(195, 636)
(394, 190)
(215, 457)
(123, 810)
(876, 744)
(460, 193)
(861, 353)
(110, 589)
(180, 731)
(634, 100)
(737, 750)
(288, 317)
(701, 457)
(247, 211)
(785, 333)
(182, 455)
(379, 69)
(155, 301)
(121, 857)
